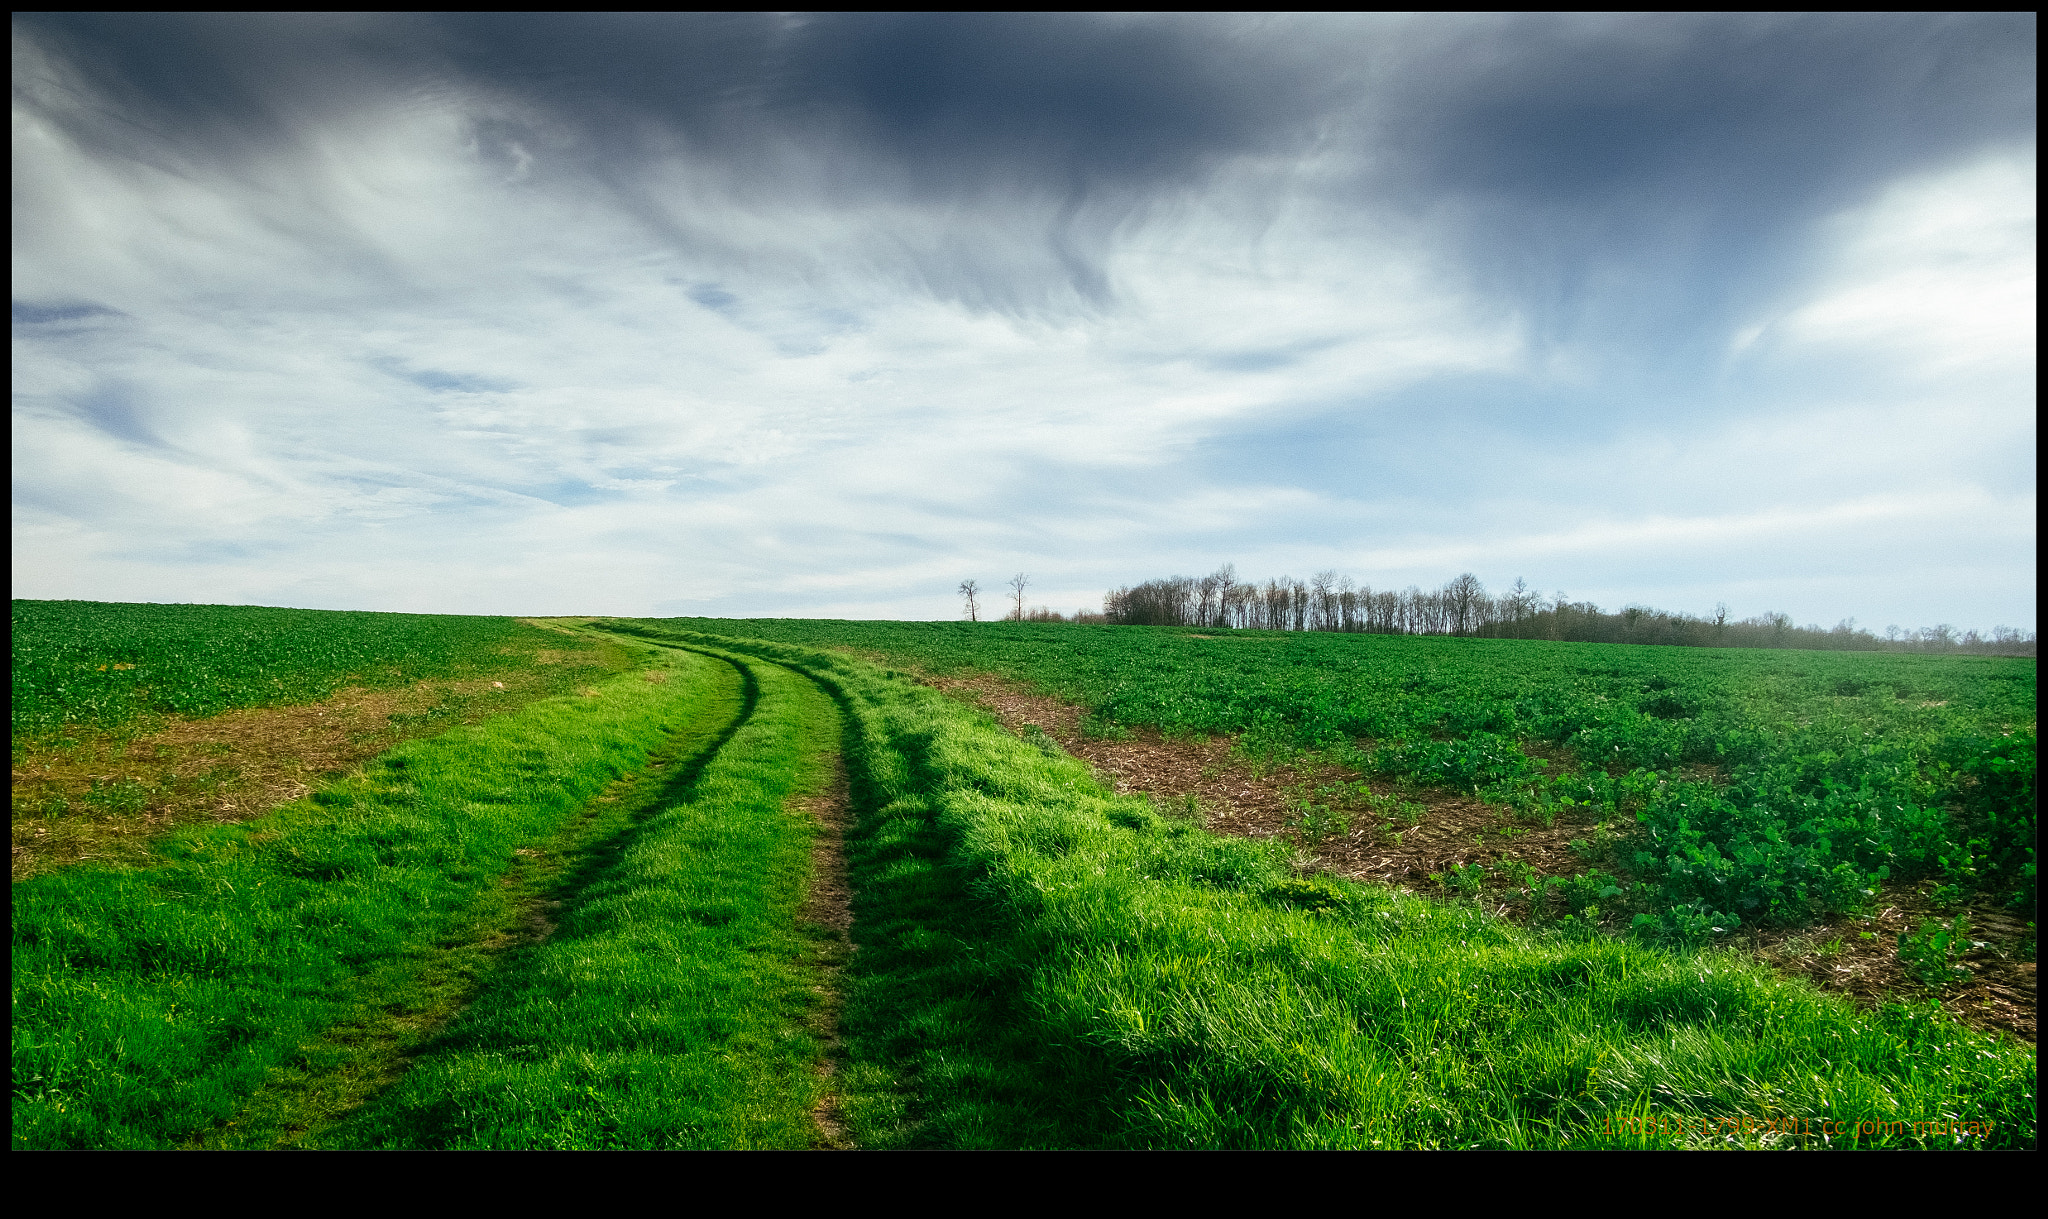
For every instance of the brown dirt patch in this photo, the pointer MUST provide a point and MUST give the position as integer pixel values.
(1425, 830)
(829, 909)
(1430, 831)
(105, 796)
(1858, 956)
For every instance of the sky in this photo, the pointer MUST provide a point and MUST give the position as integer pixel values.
(818, 316)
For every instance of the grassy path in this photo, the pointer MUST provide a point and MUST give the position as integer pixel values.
(677, 1004)
(398, 1011)
(592, 923)
(150, 1003)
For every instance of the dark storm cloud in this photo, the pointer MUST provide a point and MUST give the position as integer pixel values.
(29, 313)
(1685, 156)
(1083, 119)
(213, 88)
(1761, 108)
(1640, 172)
(950, 102)
(1055, 129)
(947, 101)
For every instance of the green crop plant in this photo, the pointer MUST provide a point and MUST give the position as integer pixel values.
(1931, 953)
(1597, 847)
(1392, 808)
(1464, 879)
(99, 665)
(1316, 823)
(1519, 874)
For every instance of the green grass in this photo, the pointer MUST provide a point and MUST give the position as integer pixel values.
(1040, 963)
(674, 1005)
(1044, 964)
(100, 665)
(99, 786)
(1760, 787)
(150, 1003)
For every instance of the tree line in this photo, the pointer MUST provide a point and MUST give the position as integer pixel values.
(1333, 602)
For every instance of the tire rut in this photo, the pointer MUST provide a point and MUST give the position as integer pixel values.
(828, 907)
(364, 1054)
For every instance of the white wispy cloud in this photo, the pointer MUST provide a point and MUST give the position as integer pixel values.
(1937, 273)
(422, 337)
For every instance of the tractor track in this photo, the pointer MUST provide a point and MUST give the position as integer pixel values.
(359, 1057)
(828, 906)
(405, 1010)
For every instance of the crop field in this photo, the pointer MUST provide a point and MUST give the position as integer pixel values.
(766, 884)
(1760, 788)
(97, 665)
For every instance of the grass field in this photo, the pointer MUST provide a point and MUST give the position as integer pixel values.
(89, 664)
(149, 1001)
(595, 920)
(1757, 787)
(132, 720)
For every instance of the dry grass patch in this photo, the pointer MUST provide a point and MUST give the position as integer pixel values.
(104, 796)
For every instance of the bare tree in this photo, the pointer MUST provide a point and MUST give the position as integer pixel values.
(1017, 583)
(1321, 585)
(972, 591)
(1461, 600)
(1226, 584)
(1205, 598)
(1515, 602)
